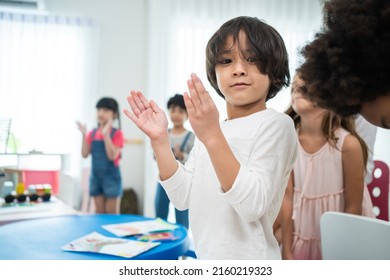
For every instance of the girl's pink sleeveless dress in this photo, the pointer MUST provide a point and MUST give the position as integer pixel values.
(318, 188)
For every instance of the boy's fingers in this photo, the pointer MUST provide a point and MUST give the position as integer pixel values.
(143, 100)
(134, 106)
(130, 115)
(201, 93)
(189, 105)
(155, 107)
(196, 102)
(137, 100)
(200, 89)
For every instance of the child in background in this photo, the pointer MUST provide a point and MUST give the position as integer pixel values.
(234, 179)
(327, 176)
(104, 143)
(181, 141)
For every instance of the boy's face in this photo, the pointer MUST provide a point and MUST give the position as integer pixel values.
(177, 115)
(245, 88)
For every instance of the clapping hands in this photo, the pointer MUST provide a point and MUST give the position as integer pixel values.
(151, 119)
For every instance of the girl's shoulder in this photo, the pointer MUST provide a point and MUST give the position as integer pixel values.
(346, 141)
(115, 129)
(117, 132)
(93, 132)
(342, 132)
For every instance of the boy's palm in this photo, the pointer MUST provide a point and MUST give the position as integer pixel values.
(152, 123)
(202, 112)
(147, 116)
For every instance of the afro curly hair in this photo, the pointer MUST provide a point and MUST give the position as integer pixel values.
(346, 65)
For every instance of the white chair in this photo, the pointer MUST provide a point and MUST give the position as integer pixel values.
(352, 237)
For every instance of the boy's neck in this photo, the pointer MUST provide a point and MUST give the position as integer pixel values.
(235, 112)
(178, 129)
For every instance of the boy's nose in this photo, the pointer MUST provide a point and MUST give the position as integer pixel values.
(239, 69)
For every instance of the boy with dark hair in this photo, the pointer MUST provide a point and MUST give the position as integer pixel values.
(234, 180)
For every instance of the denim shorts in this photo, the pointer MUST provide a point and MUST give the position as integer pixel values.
(106, 185)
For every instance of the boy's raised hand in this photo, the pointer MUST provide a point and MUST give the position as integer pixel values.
(147, 116)
(202, 112)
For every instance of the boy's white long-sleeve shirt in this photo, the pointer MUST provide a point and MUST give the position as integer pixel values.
(238, 224)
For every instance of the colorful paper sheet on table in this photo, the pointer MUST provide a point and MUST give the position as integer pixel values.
(158, 236)
(97, 243)
(142, 227)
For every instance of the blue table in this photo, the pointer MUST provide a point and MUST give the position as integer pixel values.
(42, 239)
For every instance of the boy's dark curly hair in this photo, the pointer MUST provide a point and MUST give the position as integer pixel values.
(346, 64)
(176, 100)
(264, 41)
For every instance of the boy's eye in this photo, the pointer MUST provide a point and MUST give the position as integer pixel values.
(225, 61)
(251, 59)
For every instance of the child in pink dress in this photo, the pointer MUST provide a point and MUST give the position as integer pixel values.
(328, 175)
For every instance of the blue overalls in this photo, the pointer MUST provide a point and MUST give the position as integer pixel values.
(105, 177)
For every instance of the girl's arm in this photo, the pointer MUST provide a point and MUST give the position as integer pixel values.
(153, 122)
(353, 171)
(287, 222)
(112, 150)
(85, 147)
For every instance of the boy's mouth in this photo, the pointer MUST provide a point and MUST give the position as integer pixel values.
(239, 84)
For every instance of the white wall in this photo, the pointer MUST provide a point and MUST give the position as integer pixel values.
(121, 67)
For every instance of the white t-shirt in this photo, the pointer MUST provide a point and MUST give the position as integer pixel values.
(238, 224)
(367, 131)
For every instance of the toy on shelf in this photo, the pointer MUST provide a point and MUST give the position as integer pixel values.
(34, 193)
(20, 193)
(8, 188)
(43, 191)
